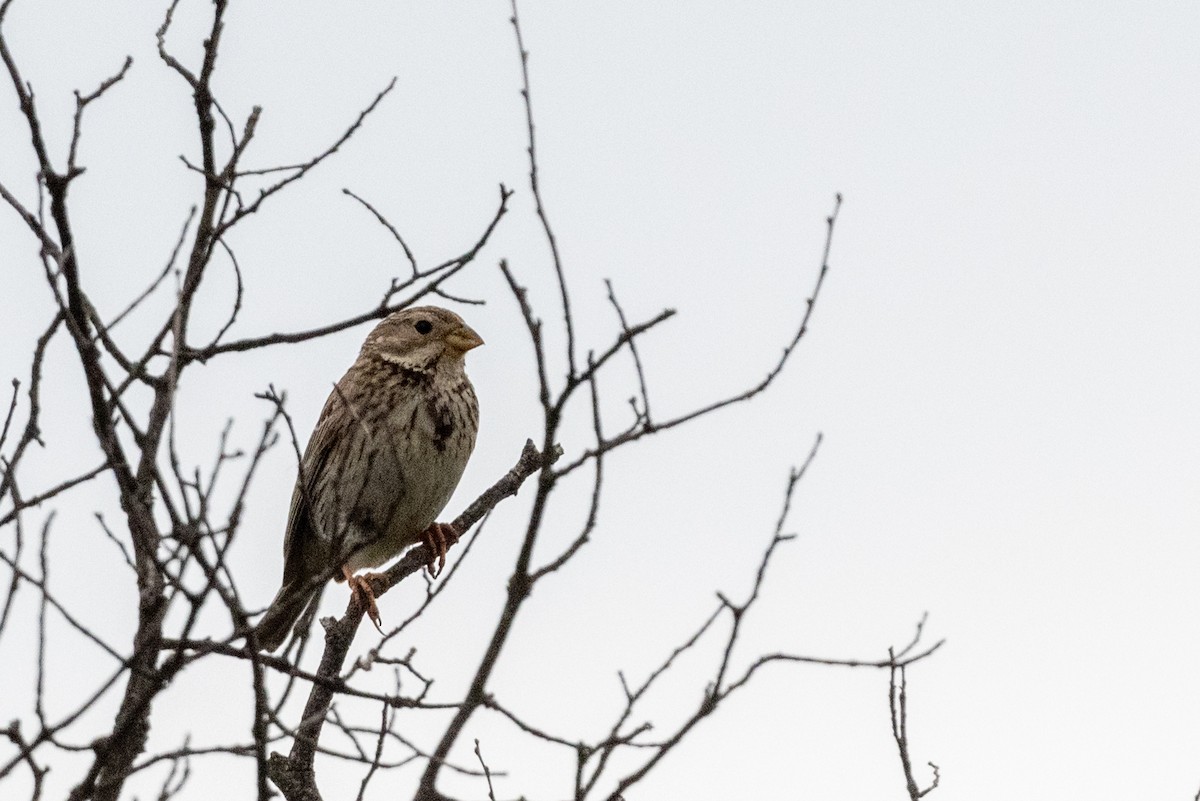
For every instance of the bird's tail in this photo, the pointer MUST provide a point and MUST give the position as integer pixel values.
(286, 608)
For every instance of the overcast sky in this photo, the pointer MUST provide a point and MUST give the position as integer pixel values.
(1003, 360)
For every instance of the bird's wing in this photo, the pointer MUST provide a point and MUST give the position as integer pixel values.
(301, 536)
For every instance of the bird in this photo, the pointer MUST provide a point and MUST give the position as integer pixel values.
(385, 456)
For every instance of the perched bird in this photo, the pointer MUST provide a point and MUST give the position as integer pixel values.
(384, 458)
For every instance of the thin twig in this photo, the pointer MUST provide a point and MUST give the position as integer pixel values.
(639, 432)
(898, 703)
(568, 322)
(444, 271)
(486, 771)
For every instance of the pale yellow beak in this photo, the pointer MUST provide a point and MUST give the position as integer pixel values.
(463, 338)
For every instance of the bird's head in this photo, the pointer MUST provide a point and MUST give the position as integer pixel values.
(420, 337)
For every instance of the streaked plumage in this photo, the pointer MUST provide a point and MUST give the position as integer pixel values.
(385, 457)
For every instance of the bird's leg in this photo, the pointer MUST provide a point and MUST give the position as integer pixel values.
(361, 586)
(438, 538)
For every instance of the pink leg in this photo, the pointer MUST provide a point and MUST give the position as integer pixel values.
(361, 587)
(438, 538)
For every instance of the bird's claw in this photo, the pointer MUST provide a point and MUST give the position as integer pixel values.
(360, 586)
(438, 538)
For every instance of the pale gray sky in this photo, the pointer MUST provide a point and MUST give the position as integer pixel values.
(1003, 361)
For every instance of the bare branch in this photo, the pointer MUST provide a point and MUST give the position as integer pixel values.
(237, 300)
(293, 775)
(443, 272)
(568, 322)
(81, 102)
(654, 427)
(159, 278)
(300, 170)
(898, 703)
(594, 506)
(383, 730)
(412, 261)
(13, 733)
(32, 431)
(49, 246)
(179, 519)
(46, 495)
(486, 772)
(627, 335)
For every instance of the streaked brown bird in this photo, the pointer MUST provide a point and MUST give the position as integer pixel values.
(384, 459)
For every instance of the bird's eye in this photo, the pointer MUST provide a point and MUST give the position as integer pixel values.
(423, 326)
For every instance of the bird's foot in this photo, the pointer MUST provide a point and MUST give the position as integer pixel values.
(360, 586)
(438, 538)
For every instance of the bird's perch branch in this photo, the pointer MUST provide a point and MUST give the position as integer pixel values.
(293, 774)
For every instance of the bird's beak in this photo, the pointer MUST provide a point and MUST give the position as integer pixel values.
(463, 338)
